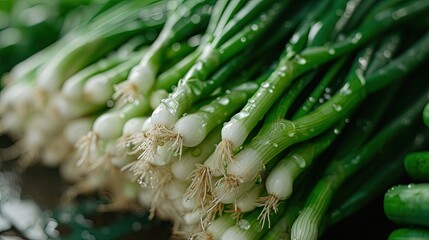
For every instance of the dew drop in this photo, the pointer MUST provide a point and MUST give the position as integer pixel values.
(337, 131)
(300, 161)
(243, 39)
(356, 159)
(254, 27)
(327, 96)
(356, 38)
(242, 114)
(387, 53)
(244, 224)
(199, 66)
(265, 85)
(294, 39)
(195, 19)
(328, 90)
(363, 61)
(399, 13)
(109, 103)
(300, 60)
(136, 226)
(337, 107)
(175, 46)
(291, 134)
(196, 152)
(224, 101)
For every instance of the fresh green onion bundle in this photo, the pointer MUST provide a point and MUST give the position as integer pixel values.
(232, 119)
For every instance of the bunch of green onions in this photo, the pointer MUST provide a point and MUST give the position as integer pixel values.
(233, 119)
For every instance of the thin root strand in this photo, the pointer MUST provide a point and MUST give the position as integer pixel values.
(268, 203)
(87, 147)
(126, 92)
(223, 156)
(201, 184)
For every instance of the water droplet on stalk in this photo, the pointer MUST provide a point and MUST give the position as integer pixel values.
(244, 224)
(356, 38)
(387, 53)
(300, 60)
(242, 114)
(399, 13)
(328, 90)
(356, 159)
(176, 46)
(199, 66)
(195, 19)
(196, 152)
(299, 161)
(337, 107)
(265, 85)
(224, 101)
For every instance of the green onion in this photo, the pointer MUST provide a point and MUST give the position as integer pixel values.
(409, 233)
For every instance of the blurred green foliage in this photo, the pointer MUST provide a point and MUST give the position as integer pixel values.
(27, 26)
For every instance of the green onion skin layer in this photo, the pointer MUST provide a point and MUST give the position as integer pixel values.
(408, 204)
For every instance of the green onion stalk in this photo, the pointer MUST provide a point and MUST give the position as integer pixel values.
(409, 233)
